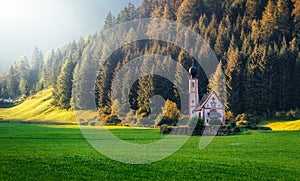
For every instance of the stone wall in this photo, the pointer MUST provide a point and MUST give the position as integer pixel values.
(207, 131)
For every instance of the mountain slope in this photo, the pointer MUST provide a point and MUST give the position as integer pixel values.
(38, 108)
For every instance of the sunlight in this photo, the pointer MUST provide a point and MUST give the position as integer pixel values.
(12, 11)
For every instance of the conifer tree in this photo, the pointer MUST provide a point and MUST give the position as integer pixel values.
(251, 9)
(190, 11)
(284, 19)
(37, 63)
(62, 92)
(296, 15)
(234, 81)
(269, 21)
(12, 83)
(217, 83)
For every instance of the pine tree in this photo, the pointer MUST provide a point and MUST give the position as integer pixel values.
(22, 68)
(84, 83)
(47, 72)
(296, 15)
(222, 41)
(287, 61)
(296, 76)
(284, 19)
(251, 9)
(211, 32)
(269, 21)
(62, 91)
(294, 96)
(109, 21)
(234, 81)
(258, 85)
(37, 63)
(23, 87)
(145, 92)
(12, 83)
(189, 12)
(217, 83)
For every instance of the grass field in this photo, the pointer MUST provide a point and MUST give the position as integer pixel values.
(285, 125)
(38, 108)
(47, 152)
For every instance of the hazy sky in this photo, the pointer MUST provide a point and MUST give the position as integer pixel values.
(25, 24)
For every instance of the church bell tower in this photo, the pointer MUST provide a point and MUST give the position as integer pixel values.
(193, 91)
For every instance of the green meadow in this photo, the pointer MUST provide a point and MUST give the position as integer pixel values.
(51, 152)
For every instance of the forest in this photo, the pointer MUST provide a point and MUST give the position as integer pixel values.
(256, 43)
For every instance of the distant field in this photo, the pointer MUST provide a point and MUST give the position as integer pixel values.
(47, 152)
(285, 125)
(38, 108)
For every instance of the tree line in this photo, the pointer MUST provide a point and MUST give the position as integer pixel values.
(256, 42)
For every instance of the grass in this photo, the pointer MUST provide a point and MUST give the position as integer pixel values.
(38, 108)
(51, 152)
(286, 125)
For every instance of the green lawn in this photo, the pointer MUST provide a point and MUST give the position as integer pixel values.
(44, 152)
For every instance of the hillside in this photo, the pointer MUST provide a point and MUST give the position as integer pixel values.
(287, 126)
(38, 108)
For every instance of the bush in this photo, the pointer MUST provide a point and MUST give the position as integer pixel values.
(247, 119)
(294, 114)
(111, 120)
(164, 129)
(229, 116)
(237, 129)
(167, 121)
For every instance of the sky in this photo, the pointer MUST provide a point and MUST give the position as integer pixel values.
(47, 24)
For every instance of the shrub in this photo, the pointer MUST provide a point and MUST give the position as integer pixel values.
(233, 124)
(247, 119)
(164, 129)
(170, 115)
(237, 129)
(166, 120)
(111, 120)
(252, 120)
(278, 114)
(229, 116)
(294, 114)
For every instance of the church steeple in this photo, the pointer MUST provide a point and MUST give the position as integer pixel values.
(193, 71)
(193, 91)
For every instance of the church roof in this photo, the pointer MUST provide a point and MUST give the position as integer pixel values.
(204, 100)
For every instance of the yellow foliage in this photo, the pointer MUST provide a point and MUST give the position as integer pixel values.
(171, 111)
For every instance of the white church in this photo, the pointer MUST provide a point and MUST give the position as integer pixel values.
(210, 108)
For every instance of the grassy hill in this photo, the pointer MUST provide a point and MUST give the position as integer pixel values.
(38, 108)
(287, 125)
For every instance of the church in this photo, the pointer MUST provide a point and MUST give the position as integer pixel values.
(210, 108)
